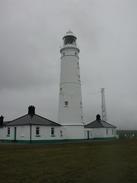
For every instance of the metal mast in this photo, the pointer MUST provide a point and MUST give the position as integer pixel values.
(103, 105)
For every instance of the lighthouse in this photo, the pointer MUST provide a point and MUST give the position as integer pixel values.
(70, 113)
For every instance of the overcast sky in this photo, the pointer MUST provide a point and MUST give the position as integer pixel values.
(31, 34)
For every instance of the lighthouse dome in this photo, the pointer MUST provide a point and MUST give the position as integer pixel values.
(69, 33)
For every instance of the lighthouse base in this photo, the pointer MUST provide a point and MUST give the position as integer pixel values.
(73, 131)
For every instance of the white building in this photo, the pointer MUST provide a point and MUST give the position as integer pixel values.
(70, 126)
(30, 127)
(99, 129)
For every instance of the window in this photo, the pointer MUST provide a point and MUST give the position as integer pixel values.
(37, 131)
(78, 77)
(81, 104)
(66, 104)
(8, 131)
(52, 132)
(61, 134)
(70, 40)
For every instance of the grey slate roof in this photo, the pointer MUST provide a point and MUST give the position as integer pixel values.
(98, 123)
(5, 123)
(31, 120)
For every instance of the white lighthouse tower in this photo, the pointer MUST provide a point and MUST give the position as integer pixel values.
(70, 99)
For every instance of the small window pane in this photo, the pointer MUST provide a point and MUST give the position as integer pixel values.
(8, 131)
(52, 132)
(66, 103)
(37, 131)
(61, 133)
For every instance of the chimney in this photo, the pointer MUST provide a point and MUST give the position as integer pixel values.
(1, 120)
(31, 110)
(98, 117)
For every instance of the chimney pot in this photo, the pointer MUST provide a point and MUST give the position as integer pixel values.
(31, 110)
(98, 117)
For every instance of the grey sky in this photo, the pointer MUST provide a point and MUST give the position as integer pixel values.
(31, 34)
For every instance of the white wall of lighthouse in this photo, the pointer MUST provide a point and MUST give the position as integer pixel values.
(70, 98)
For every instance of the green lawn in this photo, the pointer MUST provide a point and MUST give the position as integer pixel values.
(96, 162)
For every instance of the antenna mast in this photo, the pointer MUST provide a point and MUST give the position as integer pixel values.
(103, 105)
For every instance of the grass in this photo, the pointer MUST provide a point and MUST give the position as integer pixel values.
(109, 162)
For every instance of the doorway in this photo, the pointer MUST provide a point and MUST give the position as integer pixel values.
(88, 135)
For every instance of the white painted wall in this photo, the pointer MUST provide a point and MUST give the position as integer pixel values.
(3, 133)
(73, 132)
(23, 133)
(61, 133)
(45, 133)
(100, 133)
(70, 87)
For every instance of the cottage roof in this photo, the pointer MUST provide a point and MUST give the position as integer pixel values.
(31, 120)
(98, 123)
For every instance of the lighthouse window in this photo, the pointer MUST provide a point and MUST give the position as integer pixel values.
(69, 40)
(81, 104)
(66, 103)
(78, 77)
